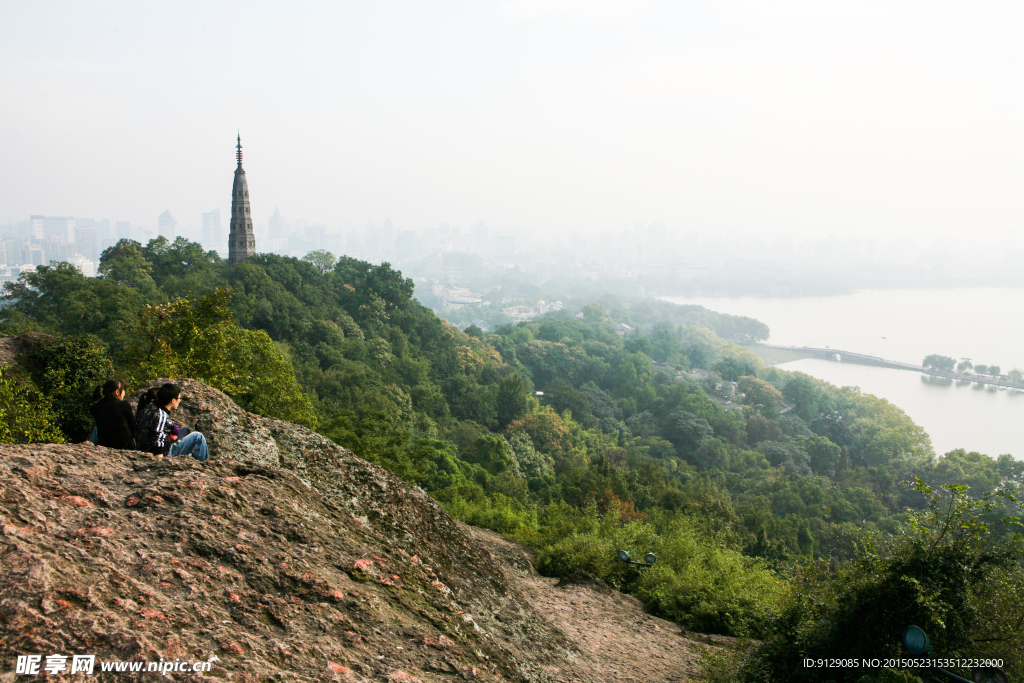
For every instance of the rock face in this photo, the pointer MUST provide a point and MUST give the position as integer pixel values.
(284, 557)
(228, 429)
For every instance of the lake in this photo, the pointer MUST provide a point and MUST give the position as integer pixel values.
(982, 324)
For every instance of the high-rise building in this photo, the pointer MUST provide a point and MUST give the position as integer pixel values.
(212, 237)
(165, 225)
(85, 242)
(14, 252)
(241, 239)
(276, 229)
(53, 226)
(34, 254)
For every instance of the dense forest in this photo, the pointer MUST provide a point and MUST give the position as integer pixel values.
(780, 508)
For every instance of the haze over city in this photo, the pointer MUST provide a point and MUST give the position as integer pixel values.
(402, 341)
(806, 119)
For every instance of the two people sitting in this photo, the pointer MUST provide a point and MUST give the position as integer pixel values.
(150, 428)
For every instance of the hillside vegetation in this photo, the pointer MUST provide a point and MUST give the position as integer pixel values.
(773, 501)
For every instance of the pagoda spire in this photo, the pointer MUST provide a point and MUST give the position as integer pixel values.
(241, 240)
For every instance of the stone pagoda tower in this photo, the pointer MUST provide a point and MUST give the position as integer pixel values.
(241, 241)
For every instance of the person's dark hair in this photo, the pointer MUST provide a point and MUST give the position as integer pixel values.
(167, 393)
(97, 393)
(146, 399)
(112, 386)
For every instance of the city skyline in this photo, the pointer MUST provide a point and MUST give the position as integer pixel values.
(802, 119)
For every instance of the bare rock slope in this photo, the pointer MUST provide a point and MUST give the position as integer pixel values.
(287, 557)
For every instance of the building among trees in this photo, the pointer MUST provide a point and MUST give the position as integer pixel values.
(166, 225)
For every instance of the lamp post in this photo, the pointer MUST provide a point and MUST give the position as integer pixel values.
(649, 559)
(918, 644)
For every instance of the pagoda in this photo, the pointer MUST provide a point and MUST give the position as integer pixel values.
(241, 240)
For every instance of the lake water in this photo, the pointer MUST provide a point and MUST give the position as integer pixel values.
(983, 324)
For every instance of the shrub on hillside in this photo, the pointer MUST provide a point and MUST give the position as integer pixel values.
(697, 581)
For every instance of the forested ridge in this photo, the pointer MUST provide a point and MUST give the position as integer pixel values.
(779, 507)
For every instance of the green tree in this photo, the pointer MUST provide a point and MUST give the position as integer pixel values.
(265, 382)
(562, 397)
(802, 391)
(67, 370)
(321, 259)
(824, 455)
(26, 415)
(493, 453)
(732, 368)
(945, 574)
(596, 313)
(940, 363)
(126, 264)
(762, 396)
(59, 299)
(686, 431)
(548, 433)
(533, 465)
(196, 337)
(178, 259)
(759, 428)
(789, 456)
(700, 354)
(712, 454)
(978, 472)
(514, 399)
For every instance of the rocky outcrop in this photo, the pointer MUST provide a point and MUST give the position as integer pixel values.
(284, 557)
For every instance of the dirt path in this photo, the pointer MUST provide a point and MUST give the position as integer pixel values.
(617, 641)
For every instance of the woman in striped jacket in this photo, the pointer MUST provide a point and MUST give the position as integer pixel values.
(156, 433)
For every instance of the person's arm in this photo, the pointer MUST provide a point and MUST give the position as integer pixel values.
(129, 417)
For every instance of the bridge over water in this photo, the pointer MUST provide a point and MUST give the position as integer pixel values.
(774, 355)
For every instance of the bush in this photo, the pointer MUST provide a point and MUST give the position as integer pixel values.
(25, 414)
(68, 371)
(949, 573)
(696, 582)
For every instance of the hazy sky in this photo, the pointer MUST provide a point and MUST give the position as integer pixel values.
(883, 117)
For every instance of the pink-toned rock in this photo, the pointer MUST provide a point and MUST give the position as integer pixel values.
(344, 671)
(76, 501)
(397, 676)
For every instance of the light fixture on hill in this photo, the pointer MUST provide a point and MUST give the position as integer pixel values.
(918, 644)
(649, 559)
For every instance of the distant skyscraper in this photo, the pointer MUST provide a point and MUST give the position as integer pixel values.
(277, 228)
(52, 226)
(212, 236)
(241, 240)
(166, 225)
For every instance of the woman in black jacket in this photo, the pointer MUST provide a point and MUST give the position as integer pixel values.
(115, 420)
